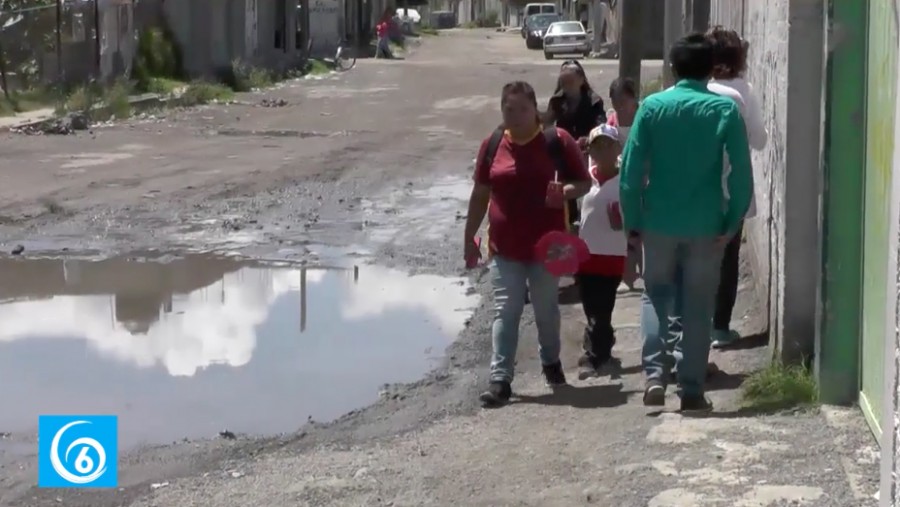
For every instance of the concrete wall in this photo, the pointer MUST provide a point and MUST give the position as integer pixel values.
(890, 450)
(213, 33)
(786, 68)
(325, 25)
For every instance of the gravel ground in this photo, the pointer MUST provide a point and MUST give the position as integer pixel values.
(374, 163)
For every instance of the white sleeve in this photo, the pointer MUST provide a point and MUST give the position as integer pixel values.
(757, 136)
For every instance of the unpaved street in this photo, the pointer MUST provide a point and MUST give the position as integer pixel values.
(369, 169)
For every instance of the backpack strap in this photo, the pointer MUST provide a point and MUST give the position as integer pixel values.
(491, 151)
(555, 148)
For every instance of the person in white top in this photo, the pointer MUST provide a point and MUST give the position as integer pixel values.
(623, 94)
(601, 230)
(730, 55)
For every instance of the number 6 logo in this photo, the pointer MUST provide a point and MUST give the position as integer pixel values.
(83, 463)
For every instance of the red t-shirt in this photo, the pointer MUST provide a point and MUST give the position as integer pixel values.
(381, 29)
(518, 215)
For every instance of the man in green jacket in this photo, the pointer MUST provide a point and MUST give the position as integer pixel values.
(672, 198)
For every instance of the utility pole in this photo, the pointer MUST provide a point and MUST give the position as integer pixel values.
(700, 12)
(673, 28)
(98, 39)
(59, 50)
(631, 39)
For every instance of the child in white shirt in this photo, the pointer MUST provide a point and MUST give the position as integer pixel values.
(601, 229)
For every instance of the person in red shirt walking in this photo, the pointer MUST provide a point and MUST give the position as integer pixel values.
(382, 31)
(523, 178)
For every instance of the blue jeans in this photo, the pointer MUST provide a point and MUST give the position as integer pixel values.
(511, 280)
(679, 272)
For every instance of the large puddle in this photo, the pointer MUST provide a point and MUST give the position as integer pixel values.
(189, 346)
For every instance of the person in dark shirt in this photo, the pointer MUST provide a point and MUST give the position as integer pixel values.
(577, 109)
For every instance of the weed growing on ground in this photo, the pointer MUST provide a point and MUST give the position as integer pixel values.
(164, 86)
(52, 207)
(82, 99)
(98, 102)
(115, 100)
(491, 19)
(204, 92)
(427, 30)
(157, 56)
(243, 77)
(317, 67)
(27, 100)
(780, 386)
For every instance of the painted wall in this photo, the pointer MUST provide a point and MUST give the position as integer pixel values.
(890, 450)
(786, 40)
(325, 25)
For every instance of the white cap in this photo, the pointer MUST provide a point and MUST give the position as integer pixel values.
(603, 130)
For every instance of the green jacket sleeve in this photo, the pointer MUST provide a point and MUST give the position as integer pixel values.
(634, 170)
(740, 178)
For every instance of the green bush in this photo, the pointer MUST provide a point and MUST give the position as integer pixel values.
(491, 19)
(780, 386)
(243, 77)
(157, 56)
(97, 102)
(203, 92)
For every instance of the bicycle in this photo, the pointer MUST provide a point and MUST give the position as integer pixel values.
(344, 57)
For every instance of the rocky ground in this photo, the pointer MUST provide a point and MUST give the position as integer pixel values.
(374, 163)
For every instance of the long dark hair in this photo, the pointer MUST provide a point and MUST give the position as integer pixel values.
(575, 66)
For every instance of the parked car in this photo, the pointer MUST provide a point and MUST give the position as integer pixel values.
(537, 8)
(410, 15)
(535, 26)
(566, 38)
(407, 20)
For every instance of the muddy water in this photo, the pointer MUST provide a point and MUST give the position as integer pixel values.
(189, 346)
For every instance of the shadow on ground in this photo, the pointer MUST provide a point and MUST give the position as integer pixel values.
(597, 396)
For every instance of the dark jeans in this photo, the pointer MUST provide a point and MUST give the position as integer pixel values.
(728, 283)
(598, 299)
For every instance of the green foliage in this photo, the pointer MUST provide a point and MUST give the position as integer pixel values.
(157, 56)
(243, 77)
(317, 67)
(164, 86)
(491, 19)
(779, 387)
(99, 103)
(204, 92)
(21, 101)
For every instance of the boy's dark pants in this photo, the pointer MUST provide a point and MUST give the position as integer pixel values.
(598, 298)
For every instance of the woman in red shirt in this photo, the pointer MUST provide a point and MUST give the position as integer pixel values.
(518, 191)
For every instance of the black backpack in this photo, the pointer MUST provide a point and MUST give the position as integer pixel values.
(554, 146)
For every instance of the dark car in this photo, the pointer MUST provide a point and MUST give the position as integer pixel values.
(535, 26)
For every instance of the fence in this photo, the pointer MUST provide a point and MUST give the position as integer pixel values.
(61, 43)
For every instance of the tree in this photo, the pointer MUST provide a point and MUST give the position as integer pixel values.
(14, 18)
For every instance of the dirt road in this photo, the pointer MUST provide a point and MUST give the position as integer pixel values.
(374, 163)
